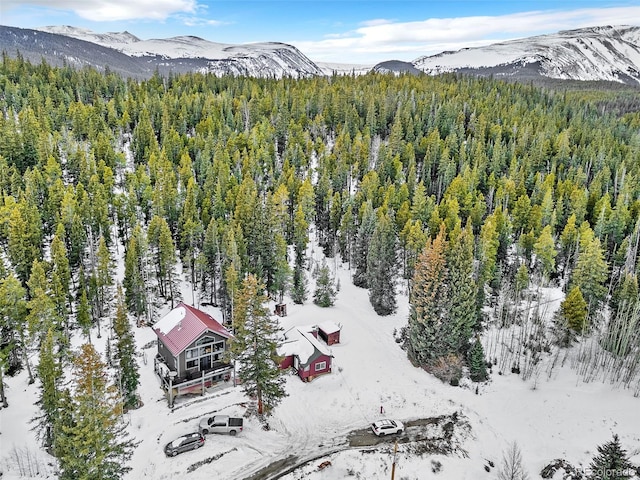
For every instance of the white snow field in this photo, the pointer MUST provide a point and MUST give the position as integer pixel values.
(553, 416)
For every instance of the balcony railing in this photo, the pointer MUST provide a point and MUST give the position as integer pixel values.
(194, 382)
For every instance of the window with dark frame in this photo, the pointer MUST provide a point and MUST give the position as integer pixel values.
(213, 349)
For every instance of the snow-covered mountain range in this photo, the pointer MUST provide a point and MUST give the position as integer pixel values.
(599, 53)
(268, 59)
(609, 53)
(126, 54)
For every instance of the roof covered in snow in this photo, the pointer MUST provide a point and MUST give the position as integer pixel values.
(184, 325)
(329, 327)
(299, 341)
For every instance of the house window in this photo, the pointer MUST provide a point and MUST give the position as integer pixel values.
(192, 363)
(192, 353)
(204, 354)
(320, 366)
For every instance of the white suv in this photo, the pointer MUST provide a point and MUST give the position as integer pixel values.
(387, 427)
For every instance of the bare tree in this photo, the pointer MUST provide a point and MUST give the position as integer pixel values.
(511, 468)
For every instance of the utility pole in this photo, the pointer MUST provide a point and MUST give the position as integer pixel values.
(395, 457)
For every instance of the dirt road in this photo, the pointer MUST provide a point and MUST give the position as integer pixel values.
(435, 435)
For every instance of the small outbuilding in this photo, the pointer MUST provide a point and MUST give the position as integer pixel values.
(329, 332)
(302, 351)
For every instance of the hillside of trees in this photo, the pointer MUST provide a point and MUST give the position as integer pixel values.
(462, 191)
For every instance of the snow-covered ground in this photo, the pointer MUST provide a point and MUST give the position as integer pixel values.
(549, 417)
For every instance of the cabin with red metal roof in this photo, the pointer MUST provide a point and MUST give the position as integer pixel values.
(191, 351)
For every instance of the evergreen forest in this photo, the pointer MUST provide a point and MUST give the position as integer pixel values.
(462, 193)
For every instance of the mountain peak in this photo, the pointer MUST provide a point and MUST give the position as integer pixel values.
(127, 54)
(109, 39)
(608, 52)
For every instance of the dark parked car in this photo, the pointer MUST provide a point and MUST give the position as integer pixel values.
(184, 443)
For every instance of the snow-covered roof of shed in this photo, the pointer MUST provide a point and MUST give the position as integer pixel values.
(300, 342)
(329, 327)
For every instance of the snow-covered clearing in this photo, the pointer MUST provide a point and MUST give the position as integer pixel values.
(550, 417)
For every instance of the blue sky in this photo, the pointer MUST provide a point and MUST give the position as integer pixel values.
(347, 31)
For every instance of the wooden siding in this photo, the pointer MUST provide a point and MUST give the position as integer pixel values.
(169, 359)
(182, 359)
(286, 362)
(310, 372)
(330, 338)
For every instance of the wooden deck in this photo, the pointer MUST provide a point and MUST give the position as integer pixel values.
(196, 383)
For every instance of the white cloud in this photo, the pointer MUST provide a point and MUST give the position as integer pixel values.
(114, 10)
(377, 39)
(191, 21)
(376, 22)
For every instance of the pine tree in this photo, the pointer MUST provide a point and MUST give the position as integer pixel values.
(325, 293)
(42, 310)
(60, 270)
(254, 346)
(522, 278)
(477, 362)
(591, 274)
(361, 250)
(306, 200)
(212, 264)
(144, 141)
(50, 375)
(282, 272)
(300, 239)
(99, 208)
(77, 240)
(335, 219)
(545, 251)
(488, 252)
(625, 294)
(163, 251)
(231, 271)
(381, 267)
(347, 233)
(83, 314)
(128, 376)
(413, 240)
(191, 231)
(611, 463)
(463, 288)
(574, 310)
(299, 288)
(104, 277)
(92, 442)
(134, 283)
(13, 323)
(23, 242)
(422, 206)
(569, 238)
(427, 338)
